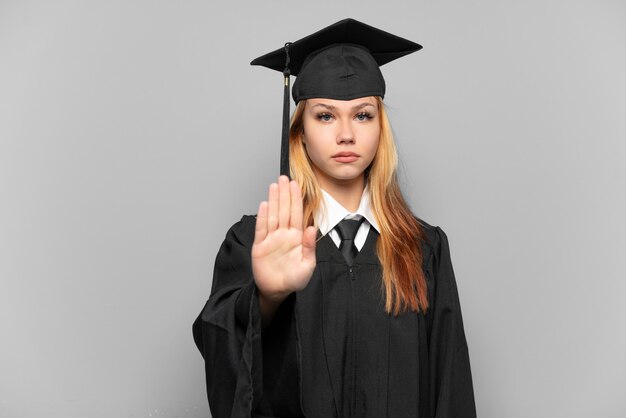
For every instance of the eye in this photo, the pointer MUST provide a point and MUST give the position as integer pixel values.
(363, 116)
(324, 117)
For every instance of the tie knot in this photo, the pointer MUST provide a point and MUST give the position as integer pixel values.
(347, 228)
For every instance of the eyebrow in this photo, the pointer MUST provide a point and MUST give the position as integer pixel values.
(334, 108)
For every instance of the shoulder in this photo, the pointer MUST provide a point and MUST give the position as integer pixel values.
(242, 231)
(432, 233)
(429, 231)
(433, 238)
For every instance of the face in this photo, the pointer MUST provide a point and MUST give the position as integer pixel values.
(341, 137)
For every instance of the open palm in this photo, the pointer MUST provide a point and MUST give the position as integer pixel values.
(283, 253)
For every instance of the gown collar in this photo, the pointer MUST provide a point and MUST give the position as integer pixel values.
(332, 212)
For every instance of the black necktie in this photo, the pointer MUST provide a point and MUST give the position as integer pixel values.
(347, 231)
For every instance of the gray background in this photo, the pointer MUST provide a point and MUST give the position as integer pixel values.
(134, 133)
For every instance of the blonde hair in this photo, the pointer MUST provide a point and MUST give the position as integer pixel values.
(399, 245)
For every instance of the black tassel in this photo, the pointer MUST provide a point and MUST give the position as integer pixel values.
(284, 144)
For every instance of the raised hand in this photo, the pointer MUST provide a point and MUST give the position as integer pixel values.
(283, 253)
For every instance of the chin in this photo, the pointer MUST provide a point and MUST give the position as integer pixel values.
(345, 175)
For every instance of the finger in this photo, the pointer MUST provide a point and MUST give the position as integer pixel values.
(284, 203)
(260, 230)
(296, 206)
(272, 208)
(308, 244)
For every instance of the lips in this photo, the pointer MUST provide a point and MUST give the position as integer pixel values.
(346, 154)
(345, 157)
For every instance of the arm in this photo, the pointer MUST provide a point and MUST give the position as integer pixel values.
(228, 330)
(260, 264)
(452, 393)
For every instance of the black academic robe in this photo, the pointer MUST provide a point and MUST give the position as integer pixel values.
(331, 350)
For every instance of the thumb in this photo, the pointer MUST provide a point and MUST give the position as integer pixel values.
(308, 244)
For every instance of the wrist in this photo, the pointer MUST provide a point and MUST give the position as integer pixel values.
(268, 305)
(272, 298)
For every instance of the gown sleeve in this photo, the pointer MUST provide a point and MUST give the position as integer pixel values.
(228, 330)
(230, 338)
(452, 393)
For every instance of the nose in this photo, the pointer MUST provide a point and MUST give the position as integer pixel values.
(346, 133)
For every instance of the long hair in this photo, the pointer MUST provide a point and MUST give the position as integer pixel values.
(398, 246)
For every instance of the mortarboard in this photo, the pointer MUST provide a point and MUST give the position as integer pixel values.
(338, 62)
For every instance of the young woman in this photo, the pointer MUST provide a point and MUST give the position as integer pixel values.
(335, 300)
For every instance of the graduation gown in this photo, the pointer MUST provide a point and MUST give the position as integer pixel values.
(331, 350)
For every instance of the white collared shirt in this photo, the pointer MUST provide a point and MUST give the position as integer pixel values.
(332, 212)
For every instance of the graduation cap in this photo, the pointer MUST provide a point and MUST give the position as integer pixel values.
(338, 62)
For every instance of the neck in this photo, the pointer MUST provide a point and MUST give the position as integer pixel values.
(347, 192)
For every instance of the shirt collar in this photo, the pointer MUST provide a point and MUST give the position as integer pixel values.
(332, 212)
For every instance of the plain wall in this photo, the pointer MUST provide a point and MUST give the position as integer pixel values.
(134, 133)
